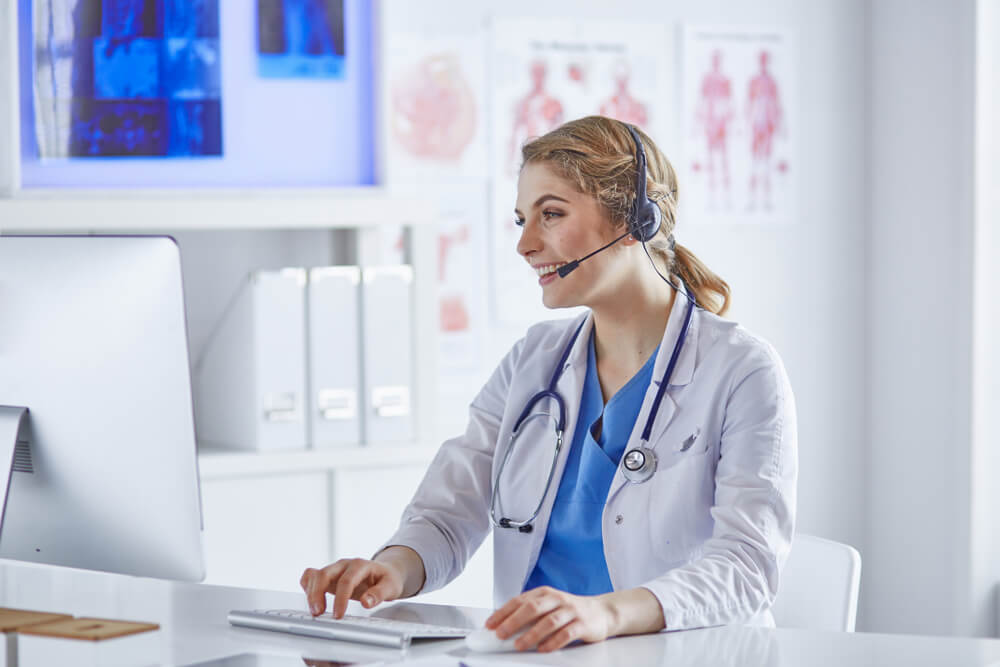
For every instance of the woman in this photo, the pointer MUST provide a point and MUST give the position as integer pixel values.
(671, 503)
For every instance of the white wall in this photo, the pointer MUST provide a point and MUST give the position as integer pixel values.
(985, 534)
(920, 318)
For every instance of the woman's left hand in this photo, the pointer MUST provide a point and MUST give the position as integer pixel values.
(554, 619)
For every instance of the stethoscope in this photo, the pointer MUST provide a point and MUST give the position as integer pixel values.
(637, 465)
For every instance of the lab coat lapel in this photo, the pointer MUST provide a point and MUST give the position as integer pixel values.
(683, 371)
(570, 386)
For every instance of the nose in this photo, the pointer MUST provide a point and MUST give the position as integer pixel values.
(529, 241)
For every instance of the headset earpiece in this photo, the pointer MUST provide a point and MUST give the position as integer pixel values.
(645, 217)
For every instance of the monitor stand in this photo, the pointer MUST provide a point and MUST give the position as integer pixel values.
(13, 432)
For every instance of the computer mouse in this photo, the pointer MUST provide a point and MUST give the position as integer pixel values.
(486, 641)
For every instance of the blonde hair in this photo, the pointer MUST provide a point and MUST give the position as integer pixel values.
(598, 156)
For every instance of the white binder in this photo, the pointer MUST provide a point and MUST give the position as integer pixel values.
(334, 356)
(251, 382)
(387, 343)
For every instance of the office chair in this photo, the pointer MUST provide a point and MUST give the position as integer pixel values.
(819, 586)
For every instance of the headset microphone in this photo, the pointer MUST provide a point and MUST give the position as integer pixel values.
(644, 218)
(569, 267)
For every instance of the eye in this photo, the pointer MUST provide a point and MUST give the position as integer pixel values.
(519, 222)
(550, 215)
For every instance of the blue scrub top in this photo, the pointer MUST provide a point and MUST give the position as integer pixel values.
(572, 555)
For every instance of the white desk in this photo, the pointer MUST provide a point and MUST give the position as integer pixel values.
(194, 628)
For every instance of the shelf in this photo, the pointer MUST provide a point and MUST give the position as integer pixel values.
(79, 210)
(221, 464)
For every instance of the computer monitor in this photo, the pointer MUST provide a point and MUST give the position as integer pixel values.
(93, 343)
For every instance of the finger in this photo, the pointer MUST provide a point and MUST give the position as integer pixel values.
(381, 592)
(566, 635)
(545, 627)
(512, 605)
(346, 585)
(317, 582)
(497, 617)
(533, 608)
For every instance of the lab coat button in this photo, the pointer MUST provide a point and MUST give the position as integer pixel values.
(619, 519)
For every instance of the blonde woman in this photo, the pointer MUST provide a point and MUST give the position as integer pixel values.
(637, 464)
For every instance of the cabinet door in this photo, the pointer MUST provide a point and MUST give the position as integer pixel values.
(367, 506)
(261, 532)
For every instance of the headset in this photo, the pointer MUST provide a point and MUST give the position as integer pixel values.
(645, 217)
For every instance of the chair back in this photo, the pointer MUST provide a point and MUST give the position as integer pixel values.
(819, 586)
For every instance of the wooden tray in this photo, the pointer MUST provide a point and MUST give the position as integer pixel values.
(93, 629)
(12, 620)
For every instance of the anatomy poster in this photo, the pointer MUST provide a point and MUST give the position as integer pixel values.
(433, 118)
(545, 73)
(739, 124)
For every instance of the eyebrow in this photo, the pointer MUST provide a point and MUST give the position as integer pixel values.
(544, 198)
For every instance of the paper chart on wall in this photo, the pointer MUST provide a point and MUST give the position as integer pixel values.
(461, 277)
(543, 74)
(739, 125)
(433, 121)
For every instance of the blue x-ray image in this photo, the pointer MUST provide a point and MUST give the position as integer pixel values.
(118, 128)
(127, 68)
(192, 67)
(144, 78)
(300, 38)
(191, 18)
(125, 19)
(195, 127)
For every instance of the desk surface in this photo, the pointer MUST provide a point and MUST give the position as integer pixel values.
(194, 628)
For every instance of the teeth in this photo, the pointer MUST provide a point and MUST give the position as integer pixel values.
(547, 269)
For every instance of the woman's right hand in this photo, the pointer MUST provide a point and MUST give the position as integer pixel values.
(372, 582)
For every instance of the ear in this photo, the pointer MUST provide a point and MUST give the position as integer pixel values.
(629, 240)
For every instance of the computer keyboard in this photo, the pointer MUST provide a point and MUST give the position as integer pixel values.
(365, 629)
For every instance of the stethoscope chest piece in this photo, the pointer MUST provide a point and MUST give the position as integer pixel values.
(639, 464)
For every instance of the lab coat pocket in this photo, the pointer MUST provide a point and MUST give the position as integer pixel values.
(681, 495)
(695, 443)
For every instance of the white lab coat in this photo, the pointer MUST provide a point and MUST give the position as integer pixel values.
(707, 534)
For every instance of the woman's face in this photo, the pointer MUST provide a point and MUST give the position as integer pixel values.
(559, 225)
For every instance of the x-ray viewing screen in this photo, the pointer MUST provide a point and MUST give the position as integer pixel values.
(194, 93)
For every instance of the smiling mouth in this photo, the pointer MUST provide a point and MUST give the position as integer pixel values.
(545, 269)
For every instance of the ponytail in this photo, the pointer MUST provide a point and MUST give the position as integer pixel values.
(709, 290)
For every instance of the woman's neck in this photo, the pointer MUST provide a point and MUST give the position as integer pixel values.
(627, 330)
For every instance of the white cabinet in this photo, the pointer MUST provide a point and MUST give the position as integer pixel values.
(367, 506)
(261, 532)
(368, 503)
(269, 516)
